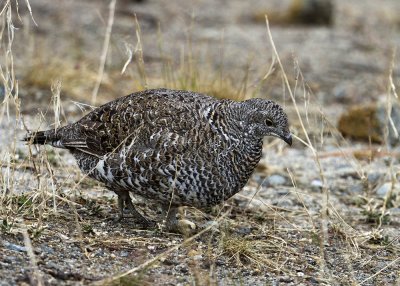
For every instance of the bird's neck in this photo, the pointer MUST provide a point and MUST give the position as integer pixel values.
(222, 118)
(242, 161)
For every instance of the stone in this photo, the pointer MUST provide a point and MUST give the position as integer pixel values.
(14, 247)
(384, 189)
(368, 122)
(276, 180)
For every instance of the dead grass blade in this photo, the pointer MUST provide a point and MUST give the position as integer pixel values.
(103, 56)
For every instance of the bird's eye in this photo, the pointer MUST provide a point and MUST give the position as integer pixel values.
(269, 122)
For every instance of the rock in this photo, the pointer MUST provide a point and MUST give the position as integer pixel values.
(311, 12)
(356, 188)
(395, 211)
(384, 189)
(276, 180)
(244, 230)
(373, 178)
(47, 249)
(303, 12)
(124, 253)
(2, 93)
(195, 255)
(100, 253)
(14, 247)
(285, 279)
(368, 122)
(316, 185)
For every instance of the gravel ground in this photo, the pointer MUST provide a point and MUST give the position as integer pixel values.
(329, 217)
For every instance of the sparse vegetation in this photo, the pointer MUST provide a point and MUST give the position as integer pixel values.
(333, 216)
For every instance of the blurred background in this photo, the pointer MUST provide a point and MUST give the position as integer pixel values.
(343, 48)
(334, 52)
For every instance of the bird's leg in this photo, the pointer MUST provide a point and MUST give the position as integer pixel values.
(120, 207)
(172, 224)
(138, 217)
(125, 200)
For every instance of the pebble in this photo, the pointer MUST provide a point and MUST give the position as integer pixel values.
(52, 265)
(244, 230)
(373, 177)
(286, 279)
(356, 188)
(340, 93)
(47, 249)
(197, 257)
(124, 253)
(14, 247)
(316, 185)
(384, 189)
(182, 268)
(395, 211)
(2, 93)
(276, 180)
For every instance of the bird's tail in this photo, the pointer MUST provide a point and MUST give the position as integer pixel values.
(44, 137)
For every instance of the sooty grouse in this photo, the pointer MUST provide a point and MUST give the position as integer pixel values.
(177, 148)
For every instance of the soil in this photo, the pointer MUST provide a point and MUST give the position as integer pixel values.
(322, 215)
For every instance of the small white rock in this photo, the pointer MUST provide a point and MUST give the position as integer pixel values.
(276, 180)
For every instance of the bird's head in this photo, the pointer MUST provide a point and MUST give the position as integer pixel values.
(263, 117)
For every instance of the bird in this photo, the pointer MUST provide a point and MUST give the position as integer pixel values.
(171, 147)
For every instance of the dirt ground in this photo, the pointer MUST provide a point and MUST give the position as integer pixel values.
(325, 211)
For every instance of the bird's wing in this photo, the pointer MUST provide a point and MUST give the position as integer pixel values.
(151, 121)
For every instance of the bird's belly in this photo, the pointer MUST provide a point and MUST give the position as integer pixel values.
(182, 190)
(195, 185)
(188, 187)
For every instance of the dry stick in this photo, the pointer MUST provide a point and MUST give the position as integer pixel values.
(377, 273)
(130, 53)
(103, 57)
(32, 258)
(299, 197)
(8, 75)
(140, 59)
(5, 7)
(389, 124)
(158, 257)
(30, 11)
(315, 153)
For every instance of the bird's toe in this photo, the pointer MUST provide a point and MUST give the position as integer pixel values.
(182, 226)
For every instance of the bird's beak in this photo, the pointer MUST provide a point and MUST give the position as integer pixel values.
(287, 138)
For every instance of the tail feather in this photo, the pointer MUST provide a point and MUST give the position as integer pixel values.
(43, 137)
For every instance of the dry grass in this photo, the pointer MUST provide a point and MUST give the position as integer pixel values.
(281, 235)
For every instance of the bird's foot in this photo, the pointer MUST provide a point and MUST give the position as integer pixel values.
(185, 227)
(182, 226)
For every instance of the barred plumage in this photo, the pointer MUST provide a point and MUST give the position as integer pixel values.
(177, 148)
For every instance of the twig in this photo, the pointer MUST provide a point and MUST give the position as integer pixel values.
(324, 212)
(158, 257)
(32, 258)
(30, 12)
(377, 273)
(103, 57)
